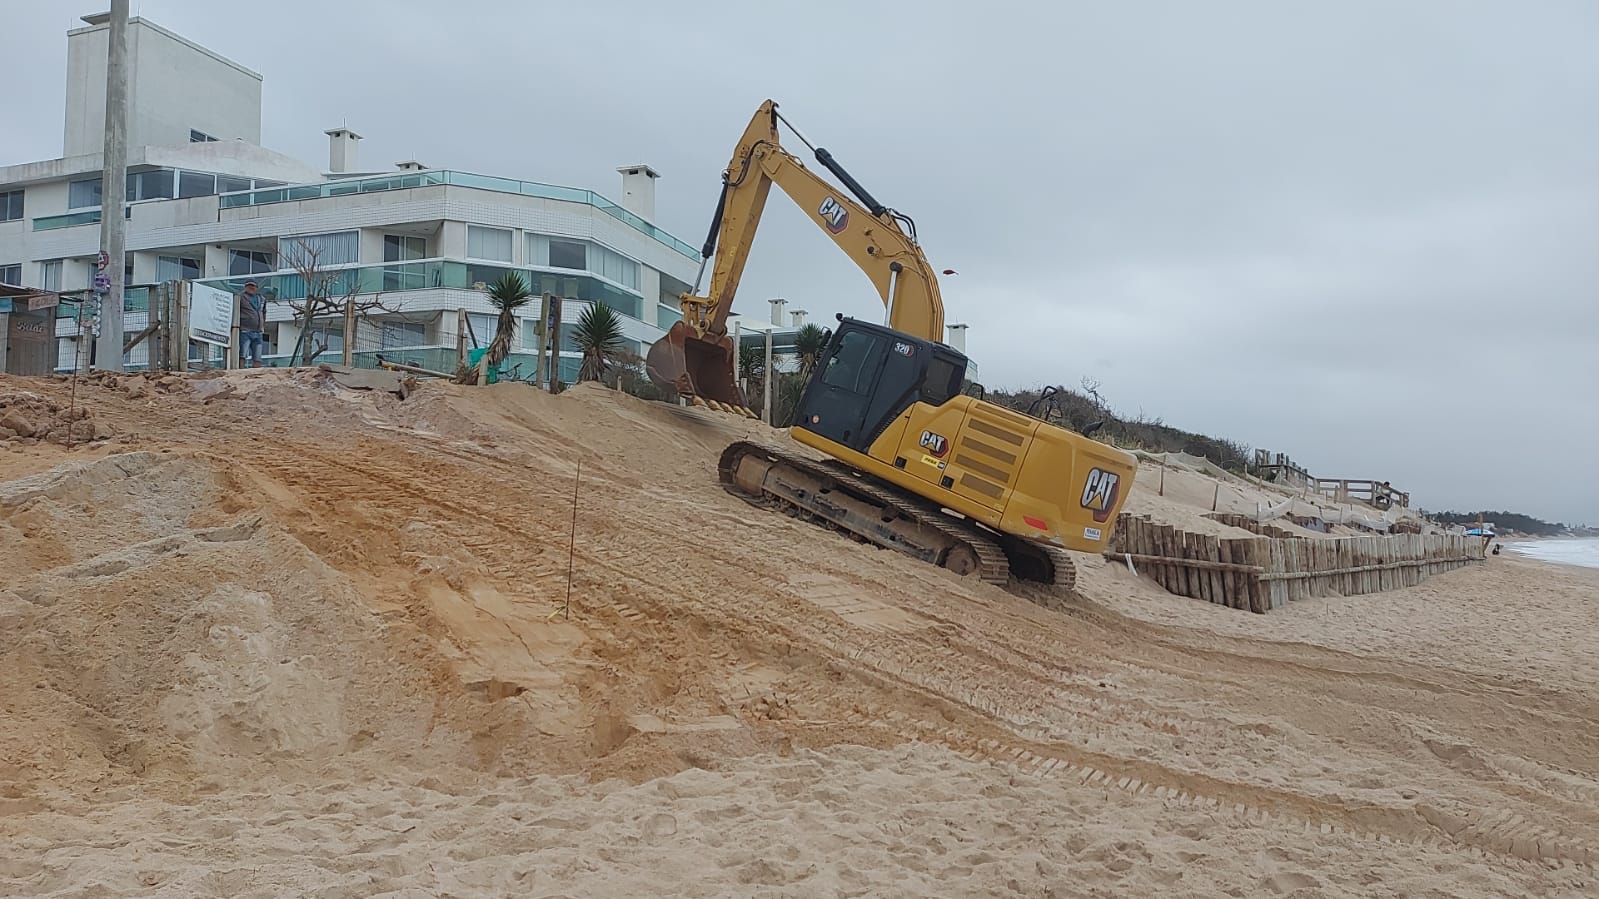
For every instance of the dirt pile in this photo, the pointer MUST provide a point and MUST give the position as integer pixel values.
(324, 634)
(156, 635)
(30, 418)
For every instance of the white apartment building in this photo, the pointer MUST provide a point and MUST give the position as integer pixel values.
(207, 203)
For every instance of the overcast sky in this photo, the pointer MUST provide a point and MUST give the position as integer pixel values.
(1363, 233)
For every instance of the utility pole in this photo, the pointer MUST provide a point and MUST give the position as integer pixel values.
(113, 190)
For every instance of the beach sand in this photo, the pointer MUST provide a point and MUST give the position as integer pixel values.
(299, 640)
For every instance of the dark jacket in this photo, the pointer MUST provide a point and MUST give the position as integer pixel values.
(252, 315)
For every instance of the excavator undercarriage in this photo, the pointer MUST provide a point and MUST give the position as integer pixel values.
(833, 495)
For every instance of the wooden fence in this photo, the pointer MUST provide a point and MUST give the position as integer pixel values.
(1246, 523)
(1264, 573)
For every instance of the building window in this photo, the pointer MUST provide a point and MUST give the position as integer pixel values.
(10, 206)
(329, 336)
(568, 254)
(200, 137)
(249, 262)
(156, 185)
(50, 275)
(11, 274)
(616, 267)
(176, 268)
(227, 184)
(394, 335)
(403, 248)
(480, 328)
(83, 194)
(321, 250)
(196, 184)
(488, 243)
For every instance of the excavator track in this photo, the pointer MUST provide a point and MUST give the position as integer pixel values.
(833, 495)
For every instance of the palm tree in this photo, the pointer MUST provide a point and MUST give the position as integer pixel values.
(809, 342)
(752, 365)
(508, 295)
(599, 337)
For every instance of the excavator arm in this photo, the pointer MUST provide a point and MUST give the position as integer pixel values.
(696, 356)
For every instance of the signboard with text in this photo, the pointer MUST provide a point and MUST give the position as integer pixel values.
(210, 314)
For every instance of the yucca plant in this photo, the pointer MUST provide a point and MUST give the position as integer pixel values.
(598, 337)
(509, 294)
(809, 342)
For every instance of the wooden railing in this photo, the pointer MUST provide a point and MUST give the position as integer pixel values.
(1378, 494)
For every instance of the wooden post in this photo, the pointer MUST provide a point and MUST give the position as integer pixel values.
(1218, 593)
(158, 318)
(1229, 579)
(460, 337)
(555, 343)
(541, 339)
(349, 331)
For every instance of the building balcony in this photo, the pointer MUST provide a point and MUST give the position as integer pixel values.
(435, 274)
(430, 177)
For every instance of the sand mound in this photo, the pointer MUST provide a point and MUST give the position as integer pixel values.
(152, 646)
(291, 638)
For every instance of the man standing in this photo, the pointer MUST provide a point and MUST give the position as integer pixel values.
(252, 324)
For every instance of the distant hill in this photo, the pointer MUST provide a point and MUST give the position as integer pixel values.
(1503, 521)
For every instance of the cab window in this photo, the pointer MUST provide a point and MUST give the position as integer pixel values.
(943, 380)
(854, 364)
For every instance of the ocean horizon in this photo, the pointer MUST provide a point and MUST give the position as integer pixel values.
(1583, 551)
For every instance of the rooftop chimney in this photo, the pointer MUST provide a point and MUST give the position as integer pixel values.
(797, 317)
(957, 337)
(777, 311)
(410, 165)
(341, 150)
(638, 190)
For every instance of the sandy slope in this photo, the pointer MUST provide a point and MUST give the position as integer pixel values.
(296, 640)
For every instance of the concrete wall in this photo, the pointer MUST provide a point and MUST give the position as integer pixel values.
(174, 85)
(86, 72)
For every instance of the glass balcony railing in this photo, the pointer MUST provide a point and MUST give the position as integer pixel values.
(431, 274)
(431, 177)
(52, 222)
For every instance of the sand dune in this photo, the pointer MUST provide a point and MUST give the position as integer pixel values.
(298, 640)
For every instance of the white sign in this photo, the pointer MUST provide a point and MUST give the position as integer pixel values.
(210, 314)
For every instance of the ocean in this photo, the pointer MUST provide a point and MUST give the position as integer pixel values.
(1584, 551)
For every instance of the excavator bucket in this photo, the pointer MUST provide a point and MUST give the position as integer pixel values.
(697, 367)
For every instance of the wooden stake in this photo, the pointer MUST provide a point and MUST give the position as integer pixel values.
(571, 545)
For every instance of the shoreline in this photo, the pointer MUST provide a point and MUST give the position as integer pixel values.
(1584, 553)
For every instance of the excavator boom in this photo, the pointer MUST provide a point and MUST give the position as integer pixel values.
(697, 356)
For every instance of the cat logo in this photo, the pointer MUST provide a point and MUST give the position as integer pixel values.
(934, 443)
(1099, 493)
(834, 214)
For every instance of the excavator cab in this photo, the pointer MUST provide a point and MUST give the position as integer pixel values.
(868, 375)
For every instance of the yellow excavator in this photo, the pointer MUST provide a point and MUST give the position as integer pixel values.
(915, 464)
